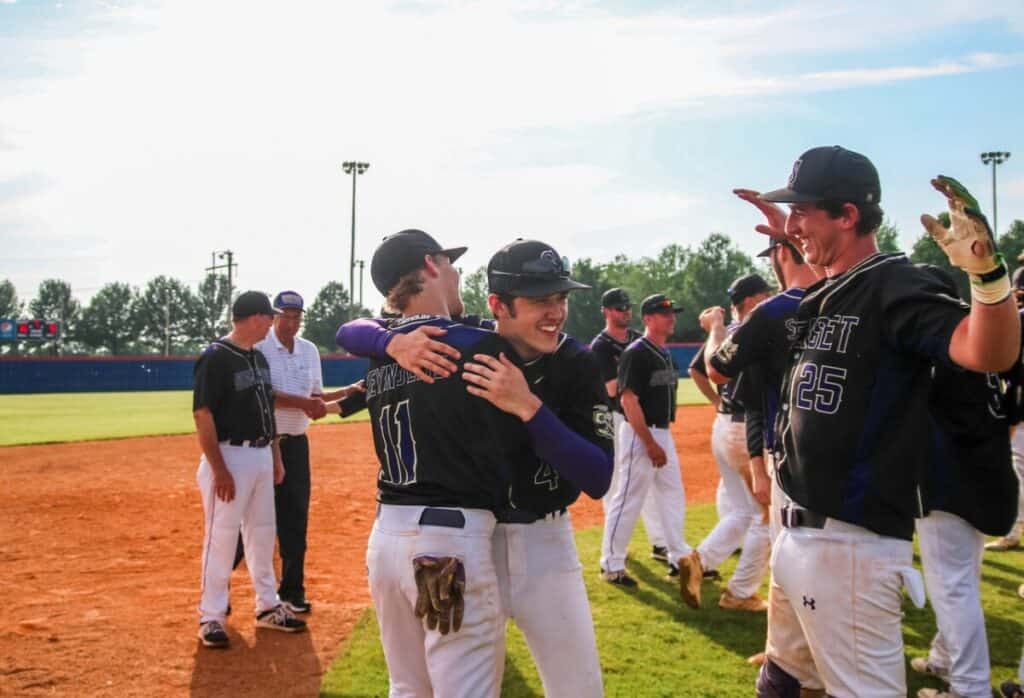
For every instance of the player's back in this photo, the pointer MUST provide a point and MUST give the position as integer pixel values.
(437, 444)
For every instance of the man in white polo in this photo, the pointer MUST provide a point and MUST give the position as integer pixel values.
(297, 378)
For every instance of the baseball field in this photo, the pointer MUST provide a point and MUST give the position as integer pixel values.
(99, 559)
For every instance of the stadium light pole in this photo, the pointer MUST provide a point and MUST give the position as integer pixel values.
(353, 168)
(994, 157)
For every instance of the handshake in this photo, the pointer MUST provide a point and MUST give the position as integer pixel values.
(315, 407)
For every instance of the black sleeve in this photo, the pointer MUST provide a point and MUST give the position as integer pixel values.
(753, 396)
(634, 371)
(919, 314)
(588, 414)
(209, 381)
(747, 344)
(697, 364)
(603, 355)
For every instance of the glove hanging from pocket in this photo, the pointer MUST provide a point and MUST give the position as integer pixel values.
(440, 589)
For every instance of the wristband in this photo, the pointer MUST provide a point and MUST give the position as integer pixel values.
(993, 287)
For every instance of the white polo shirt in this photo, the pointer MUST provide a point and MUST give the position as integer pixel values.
(294, 372)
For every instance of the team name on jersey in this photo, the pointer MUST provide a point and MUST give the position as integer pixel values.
(380, 380)
(828, 333)
(664, 376)
(247, 378)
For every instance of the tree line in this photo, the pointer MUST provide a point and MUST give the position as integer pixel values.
(168, 317)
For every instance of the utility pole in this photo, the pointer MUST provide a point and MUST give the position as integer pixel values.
(167, 325)
(354, 168)
(995, 157)
(361, 263)
(229, 265)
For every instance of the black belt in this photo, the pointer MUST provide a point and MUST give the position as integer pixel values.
(734, 416)
(794, 517)
(251, 443)
(283, 437)
(522, 516)
(448, 518)
(657, 426)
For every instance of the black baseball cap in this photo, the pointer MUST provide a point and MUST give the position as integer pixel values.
(288, 300)
(1017, 280)
(777, 242)
(402, 253)
(658, 303)
(616, 298)
(747, 286)
(830, 173)
(252, 303)
(529, 268)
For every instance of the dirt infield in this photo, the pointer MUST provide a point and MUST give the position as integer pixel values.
(99, 562)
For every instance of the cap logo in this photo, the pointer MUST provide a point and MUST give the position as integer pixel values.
(796, 171)
(290, 298)
(551, 258)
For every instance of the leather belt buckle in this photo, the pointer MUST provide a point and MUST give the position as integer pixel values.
(794, 517)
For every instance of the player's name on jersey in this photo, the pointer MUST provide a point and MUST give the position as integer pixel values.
(380, 380)
(664, 376)
(828, 333)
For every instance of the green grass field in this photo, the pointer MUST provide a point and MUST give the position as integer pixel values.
(57, 417)
(651, 645)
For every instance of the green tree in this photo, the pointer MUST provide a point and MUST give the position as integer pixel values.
(888, 237)
(330, 310)
(585, 319)
(54, 301)
(474, 293)
(10, 306)
(110, 323)
(709, 271)
(211, 310)
(166, 309)
(1011, 244)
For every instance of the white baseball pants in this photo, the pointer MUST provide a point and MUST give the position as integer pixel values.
(649, 512)
(1017, 449)
(252, 510)
(636, 476)
(739, 516)
(785, 645)
(951, 551)
(421, 663)
(542, 590)
(844, 584)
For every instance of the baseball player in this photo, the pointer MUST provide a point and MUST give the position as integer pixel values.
(854, 410)
(760, 348)
(1011, 540)
(233, 407)
(970, 489)
(645, 454)
(552, 384)
(443, 474)
(740, 519)
(607, 348)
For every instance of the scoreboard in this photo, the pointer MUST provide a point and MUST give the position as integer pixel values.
(34, 330)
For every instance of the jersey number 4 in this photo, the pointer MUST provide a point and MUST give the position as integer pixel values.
(399, 445)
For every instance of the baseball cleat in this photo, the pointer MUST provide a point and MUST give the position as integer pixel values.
(619, 577)
(212, 634)
(712, 575)
(754, 603)
(1011, 689)
(280, 618)
(1003, 544)
(922, 666)
(691, 574)
(659, 552)
(673, 571)
(937, 693)
(302, 606)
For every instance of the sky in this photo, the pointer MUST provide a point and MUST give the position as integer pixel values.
(137, 138)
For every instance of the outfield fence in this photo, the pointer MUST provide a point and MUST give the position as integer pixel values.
(92, 374)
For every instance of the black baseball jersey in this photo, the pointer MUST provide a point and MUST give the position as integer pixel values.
(971, 471)
(760, 348)
(437, 444)
(648, 370)
(569, 384)
(234, 383)
(729, 393)
(853, 419)
(608, 352)
(1013, 401)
